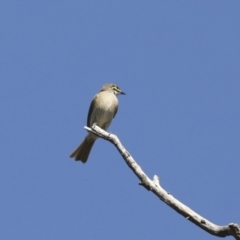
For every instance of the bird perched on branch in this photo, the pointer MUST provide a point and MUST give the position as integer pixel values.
(103, 109)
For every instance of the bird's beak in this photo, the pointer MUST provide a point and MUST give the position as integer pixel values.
(123, 93)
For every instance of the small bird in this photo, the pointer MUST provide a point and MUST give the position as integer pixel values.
(103, 109)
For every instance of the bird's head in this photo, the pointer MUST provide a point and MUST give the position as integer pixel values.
(112, 87)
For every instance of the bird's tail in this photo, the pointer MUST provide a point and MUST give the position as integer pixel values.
(83, 150)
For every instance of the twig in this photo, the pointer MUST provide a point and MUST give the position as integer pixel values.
(231, 229)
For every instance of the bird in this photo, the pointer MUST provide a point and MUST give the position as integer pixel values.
(102, 110)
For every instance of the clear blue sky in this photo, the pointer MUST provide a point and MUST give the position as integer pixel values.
(178, 62)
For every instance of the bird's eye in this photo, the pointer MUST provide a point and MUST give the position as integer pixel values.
(116, 88)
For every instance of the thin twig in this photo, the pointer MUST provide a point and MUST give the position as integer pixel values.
(231, 229)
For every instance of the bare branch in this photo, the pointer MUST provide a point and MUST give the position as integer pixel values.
(231, 229)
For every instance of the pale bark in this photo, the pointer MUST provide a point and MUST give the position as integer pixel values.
(232, 229)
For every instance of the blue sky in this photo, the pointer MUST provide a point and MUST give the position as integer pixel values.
(178, 62)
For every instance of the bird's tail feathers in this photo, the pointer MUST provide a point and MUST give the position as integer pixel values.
(82, 151)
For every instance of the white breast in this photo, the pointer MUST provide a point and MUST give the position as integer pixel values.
(104, 110)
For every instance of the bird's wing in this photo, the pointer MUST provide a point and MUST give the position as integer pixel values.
(90, 111)
(116, 109)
